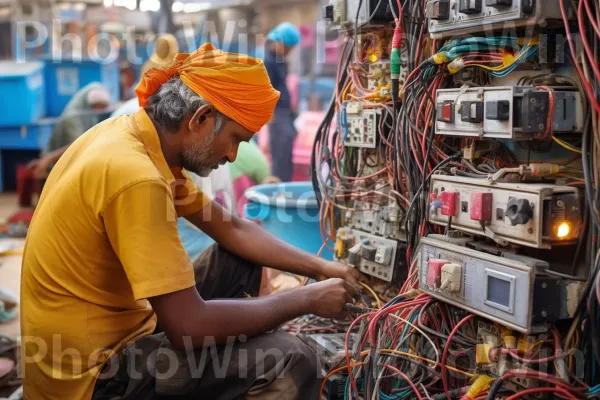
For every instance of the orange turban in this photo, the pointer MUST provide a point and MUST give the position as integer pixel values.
(236, 84)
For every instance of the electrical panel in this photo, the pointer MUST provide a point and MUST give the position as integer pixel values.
(535, 215)
(449, 18)
(519, 112)
(372, 255)
(379, 75)
(377, 219)
(360, 126)
(372, 12)
(512, 292)
(459, 173)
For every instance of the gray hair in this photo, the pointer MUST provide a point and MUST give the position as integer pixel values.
(173, 101)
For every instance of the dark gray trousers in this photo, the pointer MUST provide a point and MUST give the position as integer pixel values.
(270, 366)
(282, 135)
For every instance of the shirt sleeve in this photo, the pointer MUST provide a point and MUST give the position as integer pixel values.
(189, 199)
(141, 225)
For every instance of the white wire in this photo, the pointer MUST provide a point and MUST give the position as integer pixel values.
(437, 353)
(392, 10)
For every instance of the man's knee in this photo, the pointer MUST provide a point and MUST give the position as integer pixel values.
(299, 358)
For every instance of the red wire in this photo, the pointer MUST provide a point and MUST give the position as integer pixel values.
(588, 87)
(348, 363)
(412, 385)
(550, 120)
(445, 353)
(523, 360)
(411, 271)
(542, 390)
(584, 40)
(591, 17)
(373, 323)
(541, 376)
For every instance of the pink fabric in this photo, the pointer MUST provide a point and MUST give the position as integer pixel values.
(239, 187)
(293, 83)
(308, 122)
(308, 35)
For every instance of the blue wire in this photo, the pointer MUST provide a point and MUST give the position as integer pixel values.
(593, 390)
(344, 122)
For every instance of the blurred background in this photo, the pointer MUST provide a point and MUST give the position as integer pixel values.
(56, 48)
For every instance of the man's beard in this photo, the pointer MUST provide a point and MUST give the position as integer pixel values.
(197, 158)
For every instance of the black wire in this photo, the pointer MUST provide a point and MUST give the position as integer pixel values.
(582, 237)
(324, 127)
(417, 194)
(593, 322)
(586, 157)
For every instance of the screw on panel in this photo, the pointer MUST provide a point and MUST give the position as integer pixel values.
(560, 203)
(544, 285)
(532, 101)
(544, 314)
(530, 231)
(541, 126)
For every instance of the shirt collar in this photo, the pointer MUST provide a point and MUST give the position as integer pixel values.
(146, 132)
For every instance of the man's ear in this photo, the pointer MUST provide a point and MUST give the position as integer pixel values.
(201, 117)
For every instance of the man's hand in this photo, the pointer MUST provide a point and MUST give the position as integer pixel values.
(39, 167)
(327, 298)
(333, 269)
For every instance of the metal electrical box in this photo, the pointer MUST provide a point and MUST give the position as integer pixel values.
(372, 255)
(448, 18)
(507, 291)
(360, 126)
(378, 219)
(372, 12)
(518, 112)
(529, 214)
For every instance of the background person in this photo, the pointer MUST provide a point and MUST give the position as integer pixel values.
(282, 133)
(80, 114)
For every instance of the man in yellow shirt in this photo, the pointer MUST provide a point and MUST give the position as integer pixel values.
(103, 260)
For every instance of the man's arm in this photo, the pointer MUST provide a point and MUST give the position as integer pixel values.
(248, 240)
(41, 166)
(185, 314)
(141, 227)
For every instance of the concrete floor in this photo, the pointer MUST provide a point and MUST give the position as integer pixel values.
(10, 266)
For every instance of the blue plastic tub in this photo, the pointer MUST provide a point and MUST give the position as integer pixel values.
(65, 78)
(22, 85)
(290, 212)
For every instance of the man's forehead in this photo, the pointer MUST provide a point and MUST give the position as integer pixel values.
(240, 130)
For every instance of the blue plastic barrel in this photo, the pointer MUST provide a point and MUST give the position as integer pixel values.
(290, 212)
(65, 77)
(22, 86)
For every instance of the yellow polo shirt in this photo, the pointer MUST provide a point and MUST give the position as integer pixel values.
(103, 239)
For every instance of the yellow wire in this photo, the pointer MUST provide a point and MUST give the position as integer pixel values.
(426, 360)
(346, 90)
(379, 304)
(500, 68)
(566, 145)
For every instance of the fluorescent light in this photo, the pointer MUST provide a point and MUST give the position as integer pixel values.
(177, 6)
(195, 7)
(108, 3)
(129, 4)
(149, 5)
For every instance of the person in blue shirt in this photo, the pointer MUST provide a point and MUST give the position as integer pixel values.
(282, 133)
